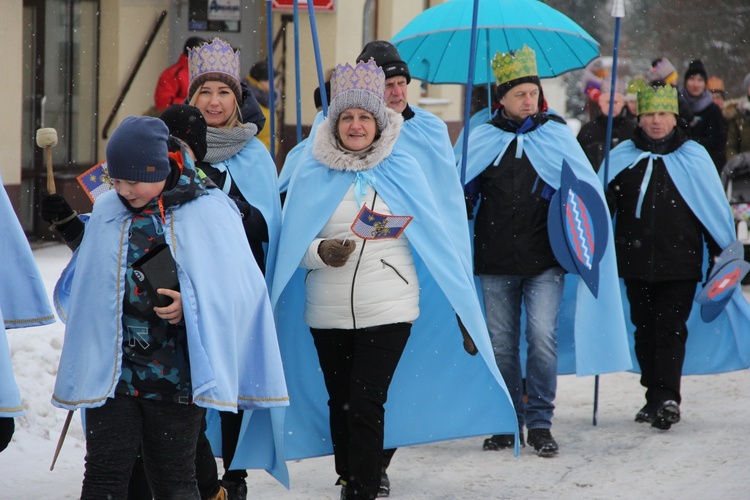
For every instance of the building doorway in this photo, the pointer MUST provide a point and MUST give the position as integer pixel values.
(60, 82)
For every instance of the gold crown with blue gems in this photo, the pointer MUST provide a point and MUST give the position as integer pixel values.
(656, 100)
(514, 65)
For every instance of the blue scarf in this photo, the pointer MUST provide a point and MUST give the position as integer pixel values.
(23, 299)
(592, 336)
(439, 392)
(724, 344)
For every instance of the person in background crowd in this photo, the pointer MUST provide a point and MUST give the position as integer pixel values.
(172, 86)
(708, 127)
(594, 76)
(257, 80)
(715, 85)
(663, 73)
(593, 135)
(737, 112)
(631, 96)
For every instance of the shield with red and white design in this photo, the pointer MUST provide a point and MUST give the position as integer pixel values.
(726, 276)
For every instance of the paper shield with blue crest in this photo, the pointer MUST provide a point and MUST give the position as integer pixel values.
(578, 227)
(724, 279)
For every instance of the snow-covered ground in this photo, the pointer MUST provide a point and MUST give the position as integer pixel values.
(707, 455)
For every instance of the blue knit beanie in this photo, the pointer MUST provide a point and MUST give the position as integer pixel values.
(138, 151)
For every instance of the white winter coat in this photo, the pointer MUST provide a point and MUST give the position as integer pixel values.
(378, 284)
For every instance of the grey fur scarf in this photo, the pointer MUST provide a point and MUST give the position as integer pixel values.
(328, 151)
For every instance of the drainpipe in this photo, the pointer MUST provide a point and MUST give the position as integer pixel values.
(369, 22)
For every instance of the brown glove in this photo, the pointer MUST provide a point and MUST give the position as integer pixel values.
(335, 253)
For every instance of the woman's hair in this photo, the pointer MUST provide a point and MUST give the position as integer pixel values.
(235, 119)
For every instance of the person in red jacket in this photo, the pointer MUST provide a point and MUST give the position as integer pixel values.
(172, 87)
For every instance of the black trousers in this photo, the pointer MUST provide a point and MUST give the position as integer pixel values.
(230, 433)
(660, 312)
(166, 433)
(206, 472)
(358, 366)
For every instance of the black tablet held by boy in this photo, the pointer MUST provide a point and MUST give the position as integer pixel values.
(156, 270)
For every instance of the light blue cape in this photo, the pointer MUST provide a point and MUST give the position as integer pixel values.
(592, 336)
(254, 173)
(23, 299)
(438, 392)
(234, 356)
(724, 344)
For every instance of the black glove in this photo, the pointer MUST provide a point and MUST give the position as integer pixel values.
(469, 345)
(335, 253)
(53, 208)
(7, 426)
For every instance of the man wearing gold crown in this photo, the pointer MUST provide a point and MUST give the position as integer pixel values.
(515, 164)
(668, 203)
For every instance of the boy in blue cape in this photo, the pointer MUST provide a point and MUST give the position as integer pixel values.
(144, 374)
(23, 304)
(668, 204)
(516, 160)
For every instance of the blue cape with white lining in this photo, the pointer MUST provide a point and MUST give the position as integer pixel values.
(254, 173)
(592, 336)
(438, 392)
(23, 299)
(232, 346)
(724, 344)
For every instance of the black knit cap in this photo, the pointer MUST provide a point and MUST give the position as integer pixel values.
(187, 124)
(696, 67)
(387, 57)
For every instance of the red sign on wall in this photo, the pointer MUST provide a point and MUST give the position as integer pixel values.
(318, 5)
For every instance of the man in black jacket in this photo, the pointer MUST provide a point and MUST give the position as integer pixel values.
(512, 252)
(659, 244)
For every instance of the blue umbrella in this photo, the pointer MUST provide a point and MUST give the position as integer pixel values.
(435, 44)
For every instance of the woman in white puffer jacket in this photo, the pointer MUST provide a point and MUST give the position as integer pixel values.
(361, 290)
(352, 201)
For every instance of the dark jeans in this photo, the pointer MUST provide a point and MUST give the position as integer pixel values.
(358, 366)
(660, 312)
(165, 432)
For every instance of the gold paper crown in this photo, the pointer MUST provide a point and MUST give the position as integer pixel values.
(366, 76)
(514, 65)
(656, 100)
